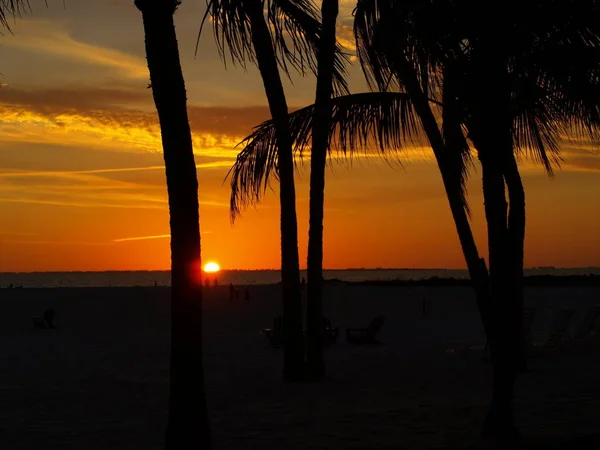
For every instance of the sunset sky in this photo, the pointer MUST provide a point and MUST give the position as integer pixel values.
(82, 183)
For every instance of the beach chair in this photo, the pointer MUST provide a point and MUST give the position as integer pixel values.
(365, 335)
(39, 322)
(47, 321)
(558, 332)
(275, 334)
(587, 327)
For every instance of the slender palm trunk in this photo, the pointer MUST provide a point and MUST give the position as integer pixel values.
(516, 239)
(493, 140)
(318, 156)
(188, 423)
(290, 267)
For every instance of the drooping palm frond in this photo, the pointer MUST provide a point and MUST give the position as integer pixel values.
(294, 27)
(458, 154)
(554, 59)
(11, 8)
(231, 29)
(556, 79)
(296, 21)
(360, 122)
(536, 128)
(422, 31)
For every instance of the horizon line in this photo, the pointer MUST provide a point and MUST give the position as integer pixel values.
(304, 269)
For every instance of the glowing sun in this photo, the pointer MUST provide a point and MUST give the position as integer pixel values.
(211, 267)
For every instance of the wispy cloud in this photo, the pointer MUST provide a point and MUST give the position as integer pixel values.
(142, 238)
(42, 36)
(68, 243)
(79, 204)
(74, 173)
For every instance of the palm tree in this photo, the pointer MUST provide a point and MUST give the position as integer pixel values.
(320, 143)
(498, 120)
(289, 35)
(539, 99)
(188, 422)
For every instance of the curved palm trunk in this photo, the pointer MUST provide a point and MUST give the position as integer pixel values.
(290, 268)
(447, 159)
(188, 423)
(318, 156)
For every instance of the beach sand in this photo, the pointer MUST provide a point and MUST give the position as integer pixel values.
(100, 380)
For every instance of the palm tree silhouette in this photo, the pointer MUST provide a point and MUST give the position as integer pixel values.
(320, 143)
(443, 67)
(188, 418)
(286, 38)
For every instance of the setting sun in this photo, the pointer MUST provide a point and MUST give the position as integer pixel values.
(211, 267)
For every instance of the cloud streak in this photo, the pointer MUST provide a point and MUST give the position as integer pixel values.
(75, 173)
(41, 36)
(142, 238)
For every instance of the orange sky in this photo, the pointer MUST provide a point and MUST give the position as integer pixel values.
(81, 165)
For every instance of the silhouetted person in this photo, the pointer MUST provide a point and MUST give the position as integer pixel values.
(247, 296)
(49, 318)
(215, 282)
(231, 292)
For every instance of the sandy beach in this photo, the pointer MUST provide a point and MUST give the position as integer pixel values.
(100, 380)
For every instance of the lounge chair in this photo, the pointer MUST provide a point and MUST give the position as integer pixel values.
(47, 321)
(365, 335)
(587, 327)
(39, 322)
(275, 334)
(558, 332)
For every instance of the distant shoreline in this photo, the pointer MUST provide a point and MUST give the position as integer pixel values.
(349, 269)
(531, 280)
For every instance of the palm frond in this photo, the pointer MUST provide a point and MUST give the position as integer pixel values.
(296, 31)
(294, 27)
(231, 28)
(12, 8)
(458, 152)
(360, 122)
(557, 85)
(425, 32)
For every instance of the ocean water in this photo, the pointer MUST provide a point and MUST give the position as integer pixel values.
(243, 277)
